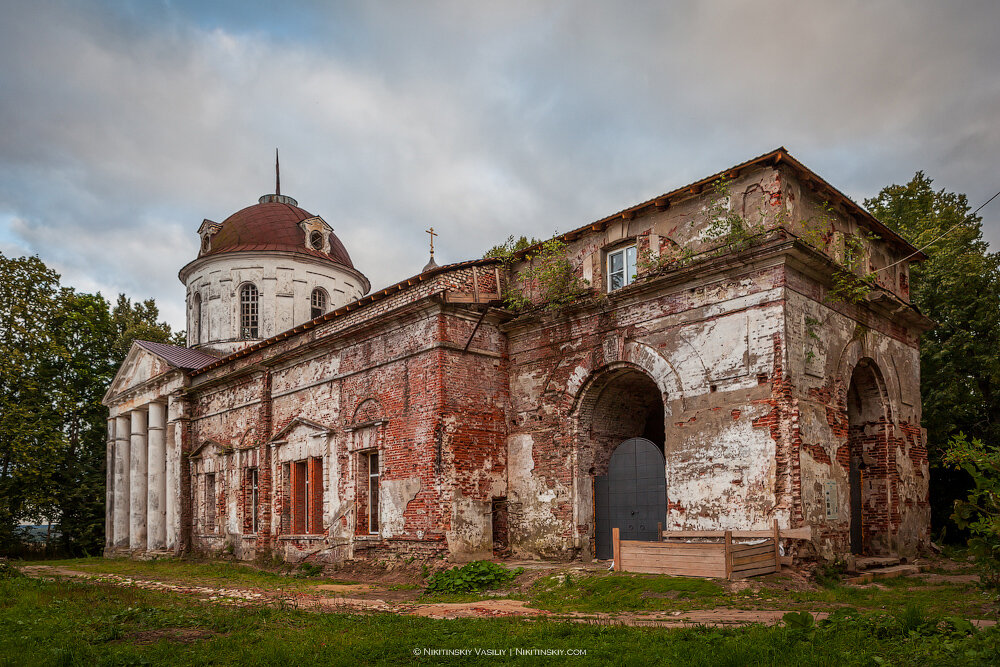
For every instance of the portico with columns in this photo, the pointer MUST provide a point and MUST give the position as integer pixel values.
(147, 430)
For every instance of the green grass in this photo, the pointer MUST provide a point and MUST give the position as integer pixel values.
(623, 592)
(599, 591)
(87, 623)
(189, 571)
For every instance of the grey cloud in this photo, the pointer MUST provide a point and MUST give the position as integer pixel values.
(122, 130)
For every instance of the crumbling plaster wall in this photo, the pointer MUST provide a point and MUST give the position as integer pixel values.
(731, 391)
(710, 346)
(828, 340)
(396, 385)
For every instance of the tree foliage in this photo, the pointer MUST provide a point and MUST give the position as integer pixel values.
(958, 286)
(979, 512)
(61, 349)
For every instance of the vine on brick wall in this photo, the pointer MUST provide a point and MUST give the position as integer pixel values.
(549, 272)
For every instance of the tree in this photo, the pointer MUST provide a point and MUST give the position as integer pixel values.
(28, 425)
(958, 286)
(137, 321)
(64, 348)
(980, 511)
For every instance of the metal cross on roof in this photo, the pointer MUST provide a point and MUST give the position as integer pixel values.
(433, 234)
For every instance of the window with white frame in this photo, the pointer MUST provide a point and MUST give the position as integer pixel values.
(621, 267)
(318, 302)
(249, 313)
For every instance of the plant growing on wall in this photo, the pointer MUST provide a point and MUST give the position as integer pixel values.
(549, 273)
(552, 272)
(850, 283)
(727, 229)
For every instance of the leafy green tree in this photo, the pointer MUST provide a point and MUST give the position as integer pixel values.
(64, 348)
(958, 286)
(137, 321)
(980, 511)
(29, 434)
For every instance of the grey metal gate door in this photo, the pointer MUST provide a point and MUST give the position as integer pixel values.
(632, 496)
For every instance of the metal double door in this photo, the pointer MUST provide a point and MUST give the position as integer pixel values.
(632, 496)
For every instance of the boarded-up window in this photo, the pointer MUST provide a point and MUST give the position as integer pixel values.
(286, 499)
(307, 496)
(300, 497)
(210, 503)
(315, 515)
(254, 501)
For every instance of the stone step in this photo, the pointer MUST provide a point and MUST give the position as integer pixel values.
(862, 563)
(885, 573)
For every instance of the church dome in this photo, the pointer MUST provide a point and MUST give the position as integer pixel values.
(273, 224)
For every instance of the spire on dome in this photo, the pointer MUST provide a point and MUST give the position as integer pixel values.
(277, 197)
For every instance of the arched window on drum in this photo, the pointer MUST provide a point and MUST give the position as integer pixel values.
(318, 302)
(249, 311)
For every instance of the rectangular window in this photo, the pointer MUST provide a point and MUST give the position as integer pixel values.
(254, 501)
(210, 503)
(621, 268)
(286, 498)
(373, 473)
(315, 514)
(300, 498)
(306, 512)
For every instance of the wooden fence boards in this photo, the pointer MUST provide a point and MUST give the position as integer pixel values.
(715, 559)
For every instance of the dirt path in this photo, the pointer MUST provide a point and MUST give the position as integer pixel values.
(345, 599)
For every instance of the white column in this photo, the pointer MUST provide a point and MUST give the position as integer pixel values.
(172, 485)
(156, 498)
(138, 471)
(109, 486)
(123, 426)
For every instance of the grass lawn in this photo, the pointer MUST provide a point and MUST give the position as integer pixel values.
(91, 623)
(207, 573)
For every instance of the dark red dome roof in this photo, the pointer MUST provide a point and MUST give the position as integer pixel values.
(272, 226)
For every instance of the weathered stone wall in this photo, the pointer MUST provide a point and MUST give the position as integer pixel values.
(768, 398)
(830, 342)
(423, 384)
(709, 350)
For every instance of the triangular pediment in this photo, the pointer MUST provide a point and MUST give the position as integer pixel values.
(209, 447)
(297, 424)
(139, 368)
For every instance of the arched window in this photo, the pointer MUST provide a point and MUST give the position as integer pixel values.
(318, 302)
(316, 240)
(195, 336)
(249, 311)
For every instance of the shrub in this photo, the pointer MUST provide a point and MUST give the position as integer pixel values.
(830, 574)
(478, 575)
(310, 570)
(980, 512)
(8, 571)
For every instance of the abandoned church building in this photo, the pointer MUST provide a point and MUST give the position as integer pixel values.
(734, 352)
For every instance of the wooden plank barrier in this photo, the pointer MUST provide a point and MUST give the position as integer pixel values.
(722, 559)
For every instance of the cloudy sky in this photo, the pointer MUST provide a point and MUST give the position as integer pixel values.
(124, 123)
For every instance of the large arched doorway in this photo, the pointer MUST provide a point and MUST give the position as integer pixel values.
(621, 418)
(632, 496)
(867, 474)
